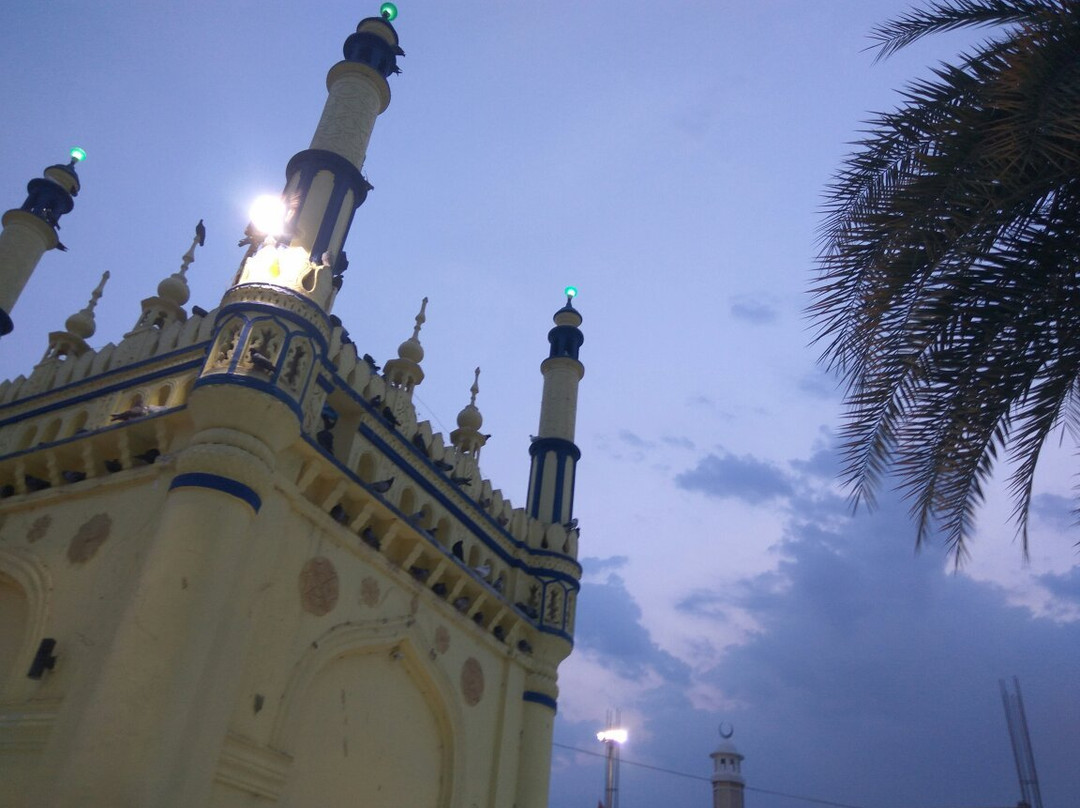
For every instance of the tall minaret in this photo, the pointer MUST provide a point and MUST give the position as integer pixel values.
(553, 451)
(727, 781)
(300, 247)
(31, 230)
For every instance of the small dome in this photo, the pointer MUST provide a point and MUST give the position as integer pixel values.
(412, 350)
(174, 289)
(81, 324)
(567, 315)
(470, 418)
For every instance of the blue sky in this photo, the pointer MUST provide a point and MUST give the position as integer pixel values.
(668, 159)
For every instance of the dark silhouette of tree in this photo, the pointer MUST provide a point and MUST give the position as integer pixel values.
(948, 296)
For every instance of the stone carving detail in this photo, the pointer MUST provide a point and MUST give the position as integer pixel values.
(472, 682)
(38, 530)
(225, 345)
(369, 592)
(442, 639)
(89, 538)
(318, 586)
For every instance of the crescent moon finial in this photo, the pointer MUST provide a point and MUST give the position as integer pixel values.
(729, 733)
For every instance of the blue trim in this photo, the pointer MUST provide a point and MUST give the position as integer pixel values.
(565, 341)
(99, 392)
(325, 384)
(540, 698)
(561, 447)
(276, 312)
(242, 380)
(305, 166)
(200, 479)
(565, 451)
(5, 323)
(557, 503)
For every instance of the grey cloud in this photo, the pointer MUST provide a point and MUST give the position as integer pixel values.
(752, 310)
(745, 478)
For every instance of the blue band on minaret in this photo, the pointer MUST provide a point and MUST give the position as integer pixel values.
(347, 177)
(199, 479)
(565, 341)
(566, 455)
(540, 698)
(5, 323)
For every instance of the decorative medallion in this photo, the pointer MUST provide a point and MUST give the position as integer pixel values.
(88, 538)
(472, 682)
(442, 640)
(318, 586)
(38, 529)
(369, 591)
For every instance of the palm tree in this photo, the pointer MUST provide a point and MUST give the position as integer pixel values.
(948, 296)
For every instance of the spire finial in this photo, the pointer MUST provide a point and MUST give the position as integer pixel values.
(475, 388)
(198, 241)
(420, 319)
(81, 324)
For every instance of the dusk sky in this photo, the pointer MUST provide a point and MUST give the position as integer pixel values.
(669, 159)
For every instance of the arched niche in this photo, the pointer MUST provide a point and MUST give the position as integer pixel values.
(24, 588)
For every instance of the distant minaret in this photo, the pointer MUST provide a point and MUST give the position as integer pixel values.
(301, 249)
(727, 780)
(553, 451)
(31, 230)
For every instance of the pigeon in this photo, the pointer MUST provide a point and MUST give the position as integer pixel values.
(500, 633)
(376, 401)
(503, 520)
(200, 233)
(338, 514)
(382, 486)
(484, 570)
(73, 476)
(416, 517)
(36, 483)
(369, 537)
(500, 584)
(524, 646)
(442, 465)
(391, 419)
(478, 618)
(261, 361)
(325, 438)
(137, 411)
(419, 573)
(371, 363)
(418, 442)
(461, 604)
(461, 480)
(571, 524)
(113, 466)
(199, 311)
(149, 456)
(439, 589)
(458, 550)
(485, 503)
(7, 491)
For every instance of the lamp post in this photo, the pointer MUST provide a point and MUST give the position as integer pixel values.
(613, 738)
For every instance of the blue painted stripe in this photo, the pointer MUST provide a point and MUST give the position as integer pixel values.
(200, 479)
(540, 698)
(243, 380)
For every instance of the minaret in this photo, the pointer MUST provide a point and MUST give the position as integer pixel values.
(79, 327)
(467, 438)
(147, 714)
(553, 451)
(300, 245)
(727, 781)
(31, 230)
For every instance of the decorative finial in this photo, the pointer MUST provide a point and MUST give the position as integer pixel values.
(198, 241)
(730, 731)
(388, 11)
(571, 293)
(81, 324)
(95, 295)
(420, 318)
(77, 155)
(475, 388)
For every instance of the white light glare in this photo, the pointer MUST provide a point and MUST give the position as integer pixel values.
(618, 736)
(268, 214)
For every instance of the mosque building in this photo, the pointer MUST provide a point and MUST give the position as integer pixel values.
(235, 570)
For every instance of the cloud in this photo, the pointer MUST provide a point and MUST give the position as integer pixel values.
(632, 439)
(745, 478)
(677, 442)
(752, 310)
(1058, 511)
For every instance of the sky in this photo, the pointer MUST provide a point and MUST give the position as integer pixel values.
(669, 160)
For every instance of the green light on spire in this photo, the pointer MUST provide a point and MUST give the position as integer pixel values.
(570, 291)
(77, 154)
(388, 11)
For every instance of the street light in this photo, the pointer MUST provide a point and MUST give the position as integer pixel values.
(613, 738)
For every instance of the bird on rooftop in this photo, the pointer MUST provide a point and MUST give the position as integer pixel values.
(484, 570)
(382, 486)
(571, 524)
(325, 438)
(461, 480)
(36, 483)
(339, 514)
(369, 537)
(199, 311)
(371, 363)
(149, 456)
(73, 476)
(7, 491)
(200, 233)
(461, 604)
(391, 419)
(458, 550)
(442, 465)
(418, 442)
(500, 633)
(376, 401)
(524, 646)
(137, 411)
(419, 573)
(261, 361)
(439, 589)
(113, 466)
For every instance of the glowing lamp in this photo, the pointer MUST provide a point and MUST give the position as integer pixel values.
(77, 154)
(618, 736)
(268, 214)
(388, 11)
(570, 291)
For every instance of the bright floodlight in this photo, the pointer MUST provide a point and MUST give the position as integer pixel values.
(77, 154)
(614, 735)
(388, 11)
(268, 214)
(570, 291)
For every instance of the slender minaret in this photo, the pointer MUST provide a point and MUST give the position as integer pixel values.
(727, 781)
(302, 249)
(31, 230)
(553, 451)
